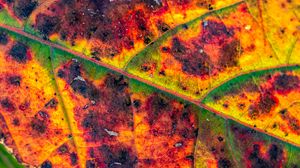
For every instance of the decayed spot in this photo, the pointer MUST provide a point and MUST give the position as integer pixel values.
(110, 30)
(165, 130)
(259, 151)
(19, 52)
(47, 24)
(272, 106)
(3, 38)
(205, 52)
(102, 112)
(35, 123)
(23, 8)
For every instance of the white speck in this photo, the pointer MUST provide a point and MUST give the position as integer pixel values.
(79, 78)
(158, 1)
(207, 119)
(201, 51)
(115, 163)
(111, 133)
(75, 60)
(248, 27)
(205, 23)
(178, 144)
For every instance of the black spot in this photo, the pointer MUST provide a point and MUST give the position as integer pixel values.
(90, 164)
(3, 38)
(74, 158)
(14, 80)
(185, 26)
(19, 52)
(52, 103)
(220, 139)
(147, 40)
(136, 103)
(190, 157)
(61, 73)
(63, 149)
(145, 68)
(224, 163)
(23, 8)
(46, 164)
(163, 27)
(8, 105)
(16, 122)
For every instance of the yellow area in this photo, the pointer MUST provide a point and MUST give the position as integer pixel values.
(35, 90)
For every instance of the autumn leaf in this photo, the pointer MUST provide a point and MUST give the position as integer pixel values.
(149, 83)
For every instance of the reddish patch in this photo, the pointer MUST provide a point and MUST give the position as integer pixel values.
(265, 104)
(293, 122)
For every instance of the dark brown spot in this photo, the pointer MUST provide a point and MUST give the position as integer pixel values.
(16, 122)
(275, 153)
(46, 164)
(8, 105)
(285, 83)
(91, 123)
(74, 158)
(194, 62)
(229, 54)
(19, 52)
(61, 73)
(90, 164)
(220, 139)
(3, 38)
(224, 163)
(14, 80)
(163, 27)
(123, 157)
(63, 149)
(47, 25)
(215, 32)
(38, 125)
(136, 103)
(23, 8)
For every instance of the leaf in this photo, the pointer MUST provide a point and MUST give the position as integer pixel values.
(193, 59)
(122, 29)
(266, 99)
(84, 112)
(226, 143)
